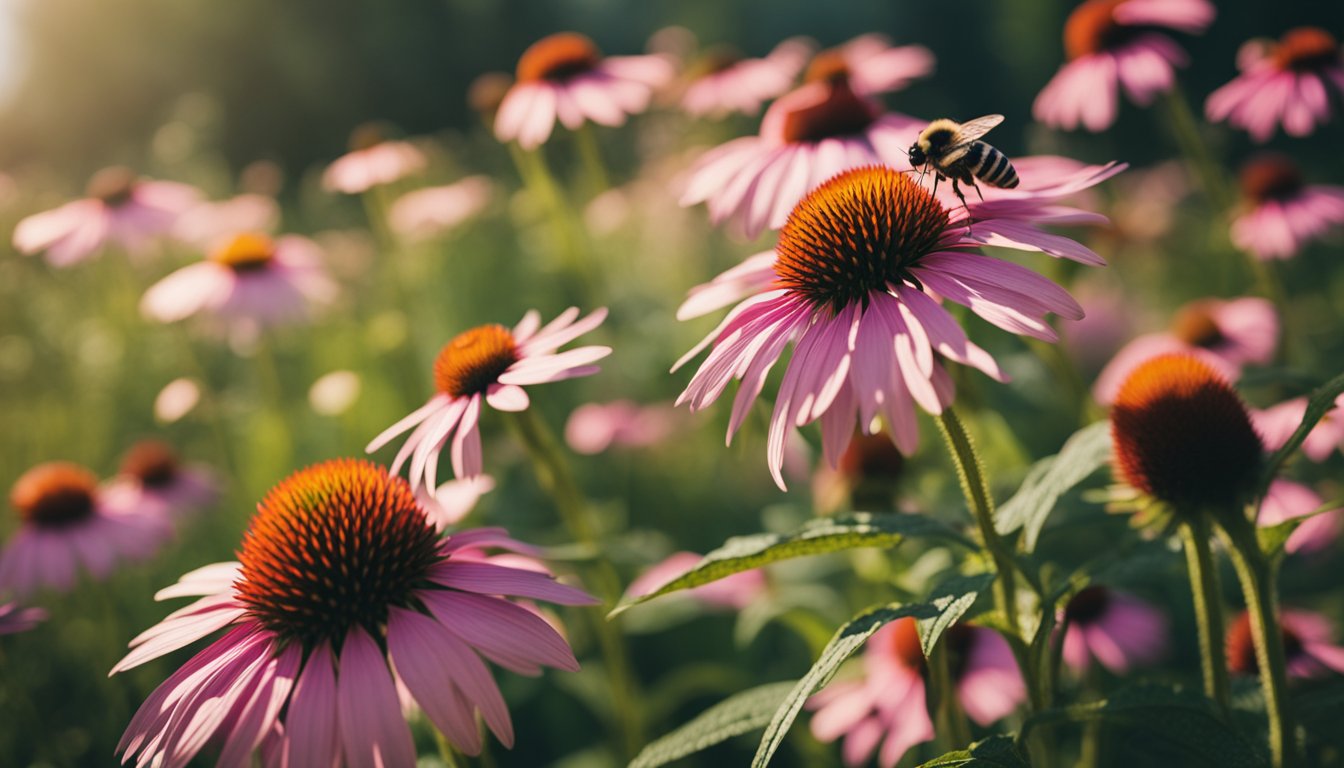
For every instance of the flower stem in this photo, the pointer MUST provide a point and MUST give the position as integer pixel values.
(554, 475)
(951, 720)
(1208, 609)
(1257, 578)
(590, 154)
(539, 180)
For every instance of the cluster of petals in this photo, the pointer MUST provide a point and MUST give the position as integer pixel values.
(594, 427)
(434, 211)
(1281, 213)
(14, 618)
(164, 484)
(207, 223)
(733, 592)
(872, 65)
(743, 85)
(367, 167)
(1289, 83)
(1117, 629)
(1113, 44)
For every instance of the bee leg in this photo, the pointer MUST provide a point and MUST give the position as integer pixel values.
(956, 190)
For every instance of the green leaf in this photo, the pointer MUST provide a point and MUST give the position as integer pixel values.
(738, 714)
(953, 598)
(1320, 403)
(993, 752)
(1086, 451)
(848, 639)
(817, 537)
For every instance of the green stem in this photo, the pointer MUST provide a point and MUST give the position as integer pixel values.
(537, 176)
(554, 475)
(401, 286)
(1257, 578)
(1090, 754)
(951, 720)
(1208, 608)
(210, 403)
(590, 155)
(273, 395)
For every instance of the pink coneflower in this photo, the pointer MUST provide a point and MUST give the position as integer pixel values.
(870, 64)
(1286, 500)
(339, 575)
(865, 477)
(452, 501)
(372, 161)
(250, 278)
(120, 208)
(153, 468)
(888, 705)
(1278, 423)
(1281, 212)
(15, 618)
(1118, 630)
(564, 77)
(806, 137)
(723, 82)
(1306, 645)
(207, 223)
(1226, 334)
(1112, 44)
(488, 364)
(1287, 83)
(594, 427)
(847, 284)
(67, 524)
(431, 212)
(732, 593)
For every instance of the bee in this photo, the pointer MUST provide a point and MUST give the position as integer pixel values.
(955, 152)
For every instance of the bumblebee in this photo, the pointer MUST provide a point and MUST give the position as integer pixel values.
(955, 152)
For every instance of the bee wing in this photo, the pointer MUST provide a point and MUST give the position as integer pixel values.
(973, 129)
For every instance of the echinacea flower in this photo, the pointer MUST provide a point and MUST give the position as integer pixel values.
(870, 64)
(15, 618)
(339, 576)
(565, 77)
(452, 501)
(1307, 645)
(1226, 334)
(722, 82)
(594, 427)
(250, 279)
(487, 92)
(1281, 212)
(1278, 423)
(67, 524)
(865, 477)
(163, 481)
(847, 284)
(121, 208)
(1286, 500)
(371, 162)
(887, 707)
(489, 365)
(1288, 83)
(1182, 435)
(806, 137)
(1113, 44)
(433, 211)
(733, 592)
(206, 223)
(1120, 631)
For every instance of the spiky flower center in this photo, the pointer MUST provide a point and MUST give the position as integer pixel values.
(332, 547)
(1240, 646)
(152, 462)
(1306, 49)
(857, 233)
(905, 643)
(1092, 28)
(841, 113)
(54, 494)
(1195, 325)
(245, 252)
(114, 186)
(474, 360)
(557, 58)
(1088, 605)
(828, 66)
(1182, 435)
(1270, 177)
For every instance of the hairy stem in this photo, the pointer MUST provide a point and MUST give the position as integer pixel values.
(1208, 609)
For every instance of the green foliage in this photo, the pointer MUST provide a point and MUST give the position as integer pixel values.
(1086, 451)
(993, 752)
(738, 714)
(953, 598)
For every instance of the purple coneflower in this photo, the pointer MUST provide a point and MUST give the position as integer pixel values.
(870, 64)
(433, 211)
(565, 77)
(1286, 500)
(452, 501)
(1282, 212)
(153, 469)
(888, 707)
(1306, 645)
(15, 618)
(121, 208)
(1112, 44)
(723, 83)
(594, 427)
(1288, 83)
(1226, 334)
(1118, 630)
(339, 575)
(207, 223)
(67, 523)
(488, 364)
(849, 283)
(372, 161)
(1278, 423)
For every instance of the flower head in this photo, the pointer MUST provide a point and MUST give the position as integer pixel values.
(865, 477)
(68, 523)
(339, 574)
(1183, 436)
(1281, 213)
(1307, 648)
(565, 77)
(153, 469)
(433, 211)
(848, 283)
(120, 209)
(15, 618)
(207, 223)
(488, 364)
(1113, 44)
(372, 161)
(594, 427)
(870, 64)
(1287, 83)
(723, 82)
(1118, 630)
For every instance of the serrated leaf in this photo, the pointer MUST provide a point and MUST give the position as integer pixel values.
(1086, 451)
(817, 537)
(1273, 539)
(952, 598)
(993, 752)
(1319, 404)
(738, 714)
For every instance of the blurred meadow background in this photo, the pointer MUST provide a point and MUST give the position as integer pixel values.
(259, 98)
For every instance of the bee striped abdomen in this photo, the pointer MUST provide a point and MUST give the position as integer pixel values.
(990, 166)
